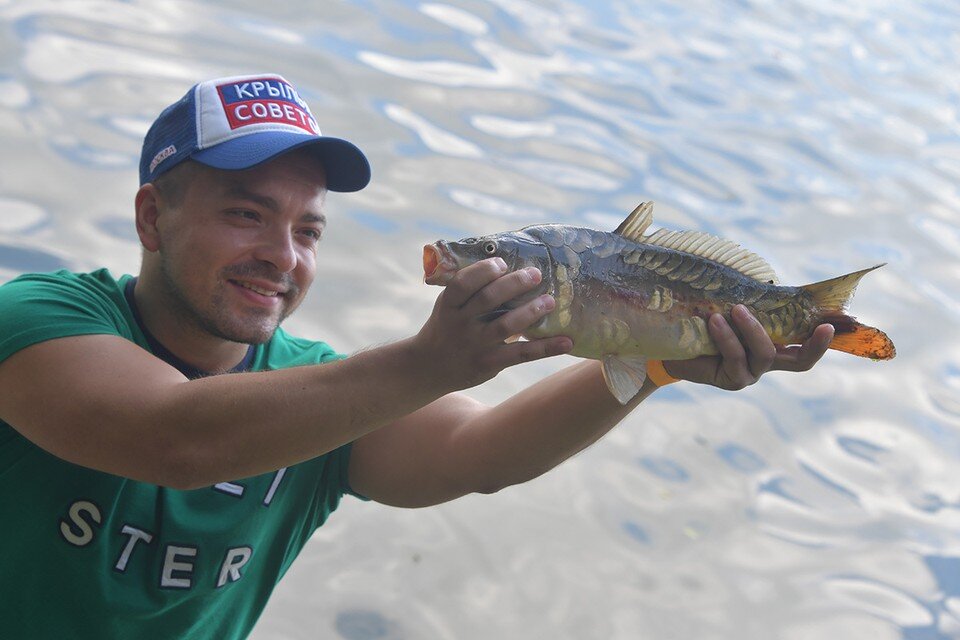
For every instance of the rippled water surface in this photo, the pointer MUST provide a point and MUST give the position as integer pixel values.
(822, 135)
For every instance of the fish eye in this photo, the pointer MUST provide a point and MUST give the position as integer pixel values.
(490, 248)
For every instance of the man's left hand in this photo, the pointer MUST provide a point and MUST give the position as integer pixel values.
(744, 358)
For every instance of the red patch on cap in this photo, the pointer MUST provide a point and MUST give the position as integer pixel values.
(267, 100)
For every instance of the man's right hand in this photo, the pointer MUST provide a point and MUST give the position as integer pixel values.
(462, 348)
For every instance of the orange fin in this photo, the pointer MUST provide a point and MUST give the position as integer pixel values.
(858, 339)
(832, 298)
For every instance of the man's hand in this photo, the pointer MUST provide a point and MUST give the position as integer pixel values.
(742, 360)
(463, 347)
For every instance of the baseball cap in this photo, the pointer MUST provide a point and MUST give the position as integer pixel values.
(241, 121)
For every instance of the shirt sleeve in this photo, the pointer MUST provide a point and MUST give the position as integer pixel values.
(40, 307)
(344, 453)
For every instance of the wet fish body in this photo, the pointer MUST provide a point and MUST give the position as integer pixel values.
(624, 296)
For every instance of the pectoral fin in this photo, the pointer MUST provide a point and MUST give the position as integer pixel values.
(624, 375)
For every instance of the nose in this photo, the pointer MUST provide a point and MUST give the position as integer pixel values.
(277, 247)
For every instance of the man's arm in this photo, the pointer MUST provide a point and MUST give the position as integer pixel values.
(103, 402)
(457, 446)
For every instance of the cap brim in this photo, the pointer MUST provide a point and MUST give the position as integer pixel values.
(346, 167)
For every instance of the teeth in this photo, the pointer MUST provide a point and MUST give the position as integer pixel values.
(255, 289)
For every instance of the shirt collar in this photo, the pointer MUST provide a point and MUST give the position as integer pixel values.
(188, 370)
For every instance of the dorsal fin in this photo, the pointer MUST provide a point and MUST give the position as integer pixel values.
(711, 247)
(696, 243)
(636, 223)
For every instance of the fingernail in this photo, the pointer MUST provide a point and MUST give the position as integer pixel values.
(544, 304)
(534, 274)
(500, 264)
(562, 346)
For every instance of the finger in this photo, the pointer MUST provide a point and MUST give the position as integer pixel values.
(733, 357)
(803, 357)
(523, 317)
(515, 353)
(759, 347)
(699, 369)
(502, 290)
(469, 280)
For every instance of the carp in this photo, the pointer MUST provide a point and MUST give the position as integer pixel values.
(624, 297)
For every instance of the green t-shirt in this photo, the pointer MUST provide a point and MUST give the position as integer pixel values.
(86, 554)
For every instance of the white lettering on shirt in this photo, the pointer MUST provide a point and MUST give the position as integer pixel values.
(85, 535)
(80, 528)
(232, 564)
(267, 499)
(136, 535)
(230, 488)
(171, 564)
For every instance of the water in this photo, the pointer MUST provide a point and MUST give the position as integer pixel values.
(822, 135)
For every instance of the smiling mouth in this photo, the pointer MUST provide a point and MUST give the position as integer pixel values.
(269, 293)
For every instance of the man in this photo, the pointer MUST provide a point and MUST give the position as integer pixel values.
(142, 496)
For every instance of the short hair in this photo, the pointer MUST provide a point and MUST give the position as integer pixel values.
(173, 184)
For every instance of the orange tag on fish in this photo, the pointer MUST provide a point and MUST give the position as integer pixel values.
(658, 373)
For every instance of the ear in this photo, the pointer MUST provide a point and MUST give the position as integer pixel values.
(147, 205)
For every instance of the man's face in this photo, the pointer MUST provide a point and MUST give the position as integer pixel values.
(238, 253)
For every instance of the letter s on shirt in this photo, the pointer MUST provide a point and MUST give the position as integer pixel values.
(79, 531)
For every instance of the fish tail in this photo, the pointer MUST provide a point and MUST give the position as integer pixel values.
(858, 339)
(835, 294)
(832, 298)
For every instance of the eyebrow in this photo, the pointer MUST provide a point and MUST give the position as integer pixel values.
(242, 193)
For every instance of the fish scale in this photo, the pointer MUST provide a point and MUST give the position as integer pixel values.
(702, 294)
(624, 296)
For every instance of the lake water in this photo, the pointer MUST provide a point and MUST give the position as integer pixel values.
(825, 136)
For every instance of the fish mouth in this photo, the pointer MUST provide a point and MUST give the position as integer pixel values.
(439, 267)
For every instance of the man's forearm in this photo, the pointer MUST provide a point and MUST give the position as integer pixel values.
(540, 427)
(107, 404)
(250, 423)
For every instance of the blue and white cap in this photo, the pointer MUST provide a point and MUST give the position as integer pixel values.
(241, 121)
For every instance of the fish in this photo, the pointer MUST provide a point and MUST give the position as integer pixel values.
(624, 297)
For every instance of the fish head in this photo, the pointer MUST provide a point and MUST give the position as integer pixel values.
(442, 259)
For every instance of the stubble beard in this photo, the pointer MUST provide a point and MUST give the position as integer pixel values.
(218, 321)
